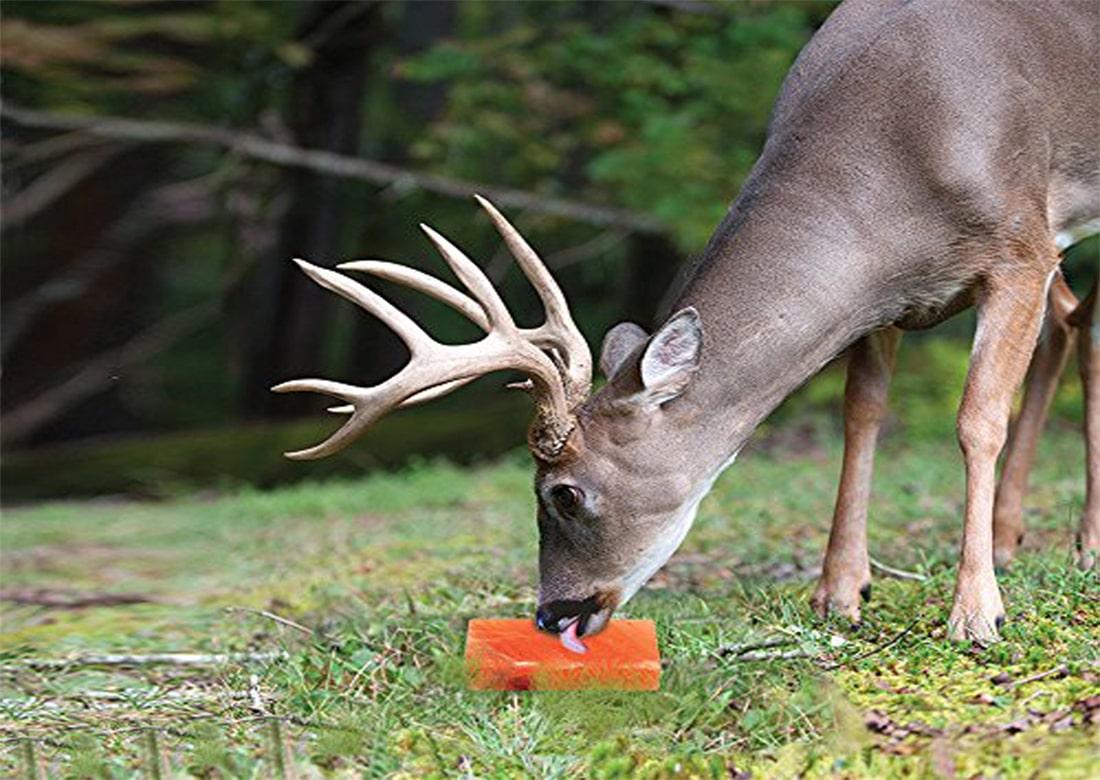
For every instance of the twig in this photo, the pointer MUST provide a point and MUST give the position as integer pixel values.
(153, 659)
(901, 574)
(783, 656)
(726, 650)
(1058, 671)
(272, 616)
(901, 635)
(323, 162)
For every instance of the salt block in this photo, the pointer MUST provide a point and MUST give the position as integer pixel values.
(512, 655)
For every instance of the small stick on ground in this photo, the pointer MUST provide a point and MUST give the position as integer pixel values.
(154, 659)
(900, 574)
(727, 650)
(783, 656)
(878, 649)
(272, 616)
(1058, 671)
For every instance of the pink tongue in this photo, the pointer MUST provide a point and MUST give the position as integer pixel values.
(569, 639)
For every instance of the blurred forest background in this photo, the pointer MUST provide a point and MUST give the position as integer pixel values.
(162, 161)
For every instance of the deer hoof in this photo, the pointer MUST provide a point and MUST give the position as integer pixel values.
(841, 599)
(977, 616)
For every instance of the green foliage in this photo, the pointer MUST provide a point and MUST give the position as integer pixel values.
(662, 115)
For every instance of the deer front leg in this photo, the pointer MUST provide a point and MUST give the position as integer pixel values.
(846, 573)
(1088, 362)
(1042, 381)
(1009, 318)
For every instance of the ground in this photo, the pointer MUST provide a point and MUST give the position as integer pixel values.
(372, 582)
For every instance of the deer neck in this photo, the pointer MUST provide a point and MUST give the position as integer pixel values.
(780, 293)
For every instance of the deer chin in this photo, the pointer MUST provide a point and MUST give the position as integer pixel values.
(658, 555)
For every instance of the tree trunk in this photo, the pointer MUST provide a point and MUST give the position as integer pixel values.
(289, 315)
(376, 353)
(654, 263)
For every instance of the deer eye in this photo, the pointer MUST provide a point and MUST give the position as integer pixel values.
(567, 499)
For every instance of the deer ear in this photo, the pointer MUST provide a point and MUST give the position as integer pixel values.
(619, 343)
(672, 357)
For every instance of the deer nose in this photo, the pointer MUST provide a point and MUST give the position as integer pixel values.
(548, 616)
(545, 620)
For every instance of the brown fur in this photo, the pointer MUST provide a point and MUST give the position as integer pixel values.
(922, 157)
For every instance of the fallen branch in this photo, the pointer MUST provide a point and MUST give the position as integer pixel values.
(900, 574)
(153, 659)
(328, 163)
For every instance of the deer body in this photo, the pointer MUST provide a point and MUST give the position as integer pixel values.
(922, 157)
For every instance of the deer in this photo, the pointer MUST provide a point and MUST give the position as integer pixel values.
(921, 158)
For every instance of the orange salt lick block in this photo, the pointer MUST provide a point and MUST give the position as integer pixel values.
(512, 655)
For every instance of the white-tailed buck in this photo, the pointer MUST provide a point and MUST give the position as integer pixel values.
(922, 157)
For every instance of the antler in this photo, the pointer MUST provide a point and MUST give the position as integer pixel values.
(554, 356)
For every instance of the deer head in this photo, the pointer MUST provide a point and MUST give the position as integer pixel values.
(614, 500)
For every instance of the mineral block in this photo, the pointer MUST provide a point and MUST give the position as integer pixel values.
(512, 655)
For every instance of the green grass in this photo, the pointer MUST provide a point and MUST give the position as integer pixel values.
(387, 570)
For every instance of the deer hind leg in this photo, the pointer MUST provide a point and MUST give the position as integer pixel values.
(846, 573)
(1042, 381)
(1009, 318)
(1087, 318)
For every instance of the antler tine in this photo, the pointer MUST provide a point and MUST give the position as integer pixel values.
(474, 279)
(552, 356)
(562, 329)
(344, 392)
(425, 283)
(412, 334)
(348, 431)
